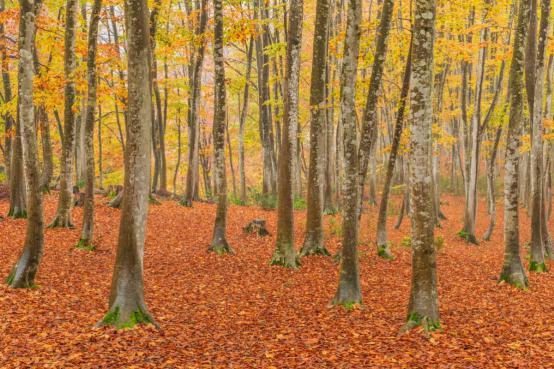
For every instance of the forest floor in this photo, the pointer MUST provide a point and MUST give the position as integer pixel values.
(239, 312)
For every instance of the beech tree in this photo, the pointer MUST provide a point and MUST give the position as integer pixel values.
(63, 212)
(423, 308)
(348, 290)
(285, 253)
(314, 242)
(126, 302)
(219, 242)
(25, 269)
(512, 269)
(88, 211)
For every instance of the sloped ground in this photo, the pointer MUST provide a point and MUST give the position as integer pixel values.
(238, 312)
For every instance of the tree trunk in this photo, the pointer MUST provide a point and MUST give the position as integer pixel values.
(285, 253)
(538, 239)
(369, 121)
(348, 291)
(47, 155)
(87, 232)
(512, 269)
(383, 248)
(313, 241)
(8, 96)
(423, 308)
(219, 243)
(126, 303)
(24, 271)
(63, 213)
(242, 122)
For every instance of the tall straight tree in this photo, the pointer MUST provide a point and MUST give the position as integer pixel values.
(512, 269)
(285, 254)
(313, 242)
(126, 303)
(63, 213)
(24, 271)
(348, 290)
(219, 241)
(423, 308)
(369, 121)
(382, 239)
(87, 231)
(539, 238)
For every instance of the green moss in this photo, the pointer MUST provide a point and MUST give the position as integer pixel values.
(308, 251)
(185, 202)
(10, 278)
(85, 245)
(415, 320)
(538, 267)
(17, 214)
(287, 261)
(383, 251)
(349, 305)
(299, 203)
(406, 242)
(514, 282)
(112, 318)
(439, 242)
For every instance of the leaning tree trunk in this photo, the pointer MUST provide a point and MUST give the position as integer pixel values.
(512, 269)
(126, 304)
(24, 271)
(348, 290)
(537, 263)
(219, 243)
(313, 241)
(285, 253)
(423, 308)
(383, 248)
(63, 213)
(87, 231)
(369, 121)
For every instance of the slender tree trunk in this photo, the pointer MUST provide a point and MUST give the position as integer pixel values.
(47, 155)
(24, 271)
(423, 308)
(512, 269)
(63, 213)
(285, 253)
(8, 96)
(126, 303)
(537, 263)
(87, 232)
(219, 243)
(242, 121)
(100, 153)
(348, 290)
(369, 123)
(313, 241)
(383, 248)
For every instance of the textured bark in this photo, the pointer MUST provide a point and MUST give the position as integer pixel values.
(423, 308)
(491, 175)
(285, 253)
(242, 121)
(195, 83)
(313, 241)
(87, 232)
(369, 121)
(126, 303)
(18, 204)
(24, 271)
(63, 212)
(348, 290)
(383, 248)
(8, 95)
(219, 242)
(538, 239)
(47, 155)
(100, 153)
(512, 269)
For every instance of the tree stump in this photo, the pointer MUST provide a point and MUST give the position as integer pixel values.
(257, 226)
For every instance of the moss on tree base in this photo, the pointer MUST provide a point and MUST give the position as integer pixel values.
(114, 319)
(383, 251)
(537, 267)
(288, 261)
(17, 214)
(85, 245)
(310, 249)
(518, 280)
(417, 320)
(221, 248)
(468, 237)
(61, 222)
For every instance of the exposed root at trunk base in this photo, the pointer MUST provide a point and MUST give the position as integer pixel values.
(17, 213)
(416, 320)
(311, 247)
(515, 275)
(61, 222)
(385, 252)
(348, 298)
(288, 260)
(22, 277)
(85, 244)
(220, 247)
(126, 318)
(538, 267)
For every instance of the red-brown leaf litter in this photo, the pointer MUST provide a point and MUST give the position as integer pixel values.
(238, 312)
